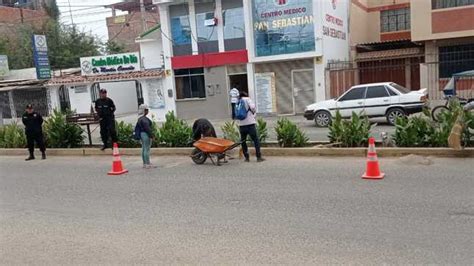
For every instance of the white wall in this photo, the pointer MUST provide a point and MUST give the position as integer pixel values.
(124, 95)
(80, 101)
(150, 52)
(156, 96)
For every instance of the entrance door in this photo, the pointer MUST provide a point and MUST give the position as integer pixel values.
(239, 81)
(302, 81)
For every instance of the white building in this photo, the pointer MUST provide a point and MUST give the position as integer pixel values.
(277, 51)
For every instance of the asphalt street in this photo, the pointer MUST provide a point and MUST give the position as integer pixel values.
(283, 211)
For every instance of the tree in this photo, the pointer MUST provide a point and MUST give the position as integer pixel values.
(112, 47)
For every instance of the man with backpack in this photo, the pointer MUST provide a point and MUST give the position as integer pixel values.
(245, 112)
(143, 132)
(234, 98)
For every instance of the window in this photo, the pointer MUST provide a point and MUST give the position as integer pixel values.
(400, 88)
(391, 92)
(395, 20)
(437, 4)
(354, 94)
(180, 30)
(206, 35)
(376, 92)
(234, 26)
(455, 59)
(190, 83)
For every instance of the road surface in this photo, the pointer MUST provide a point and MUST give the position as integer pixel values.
(285, 211)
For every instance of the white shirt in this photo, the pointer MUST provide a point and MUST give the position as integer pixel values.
(234, 95)
(250, 119)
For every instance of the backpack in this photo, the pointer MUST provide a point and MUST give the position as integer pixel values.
(137, 131)
(240, 110)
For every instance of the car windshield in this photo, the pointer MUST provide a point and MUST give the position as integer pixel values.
(400, 88)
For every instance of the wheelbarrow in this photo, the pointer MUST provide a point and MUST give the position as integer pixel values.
(212, 148)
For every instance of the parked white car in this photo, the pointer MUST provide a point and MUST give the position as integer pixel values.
(374, 100)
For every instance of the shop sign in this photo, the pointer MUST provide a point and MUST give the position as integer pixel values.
(283, 26)
(40, 56)
(110, 64)
(4, 70)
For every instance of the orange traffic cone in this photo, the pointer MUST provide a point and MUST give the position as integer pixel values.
(117, 167)
(372, 170)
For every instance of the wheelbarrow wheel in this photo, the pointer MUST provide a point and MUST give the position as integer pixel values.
(198, 156)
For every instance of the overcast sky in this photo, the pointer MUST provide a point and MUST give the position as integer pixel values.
(87, 15)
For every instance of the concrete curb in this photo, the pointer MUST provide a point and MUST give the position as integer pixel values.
(289, 152)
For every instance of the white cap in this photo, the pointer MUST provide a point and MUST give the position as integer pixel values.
(142, 108)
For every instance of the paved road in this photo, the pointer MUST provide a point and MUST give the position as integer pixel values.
(286, 210)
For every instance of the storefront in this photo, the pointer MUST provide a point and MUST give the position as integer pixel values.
(277, 51)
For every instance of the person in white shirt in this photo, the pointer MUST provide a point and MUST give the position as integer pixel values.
(234, 98)
(248, 127)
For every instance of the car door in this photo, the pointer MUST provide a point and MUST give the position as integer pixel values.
(351, 101)
(377, 100)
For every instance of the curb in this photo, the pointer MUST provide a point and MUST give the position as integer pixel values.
(288, 152)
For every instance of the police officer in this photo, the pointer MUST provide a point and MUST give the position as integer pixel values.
(34, 131)
(105, 108)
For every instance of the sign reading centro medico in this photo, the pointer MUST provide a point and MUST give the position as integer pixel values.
(110, 64)
(283, 26)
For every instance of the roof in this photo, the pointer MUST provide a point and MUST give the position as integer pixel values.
(148, 32)
(372, 84)
(386, 45)
(77, 79)
(469, 73)
(133, 5)
(7, 85)
(390, 54)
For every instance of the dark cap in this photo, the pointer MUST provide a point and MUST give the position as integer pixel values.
(103, 91)
(29, 106)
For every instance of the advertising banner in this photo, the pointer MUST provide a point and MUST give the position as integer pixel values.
(40, 56)
(110, 64)
(283, 26)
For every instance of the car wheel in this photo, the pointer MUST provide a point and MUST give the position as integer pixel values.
(322, 119)
(394, 114)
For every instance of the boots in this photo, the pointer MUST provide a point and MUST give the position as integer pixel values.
(31, 157)
(43, 156)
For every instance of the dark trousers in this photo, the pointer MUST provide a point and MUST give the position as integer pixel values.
(233, 111)
(107, 129)
(250, 130)
(31, 138)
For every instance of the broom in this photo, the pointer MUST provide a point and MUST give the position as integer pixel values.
(454, 139)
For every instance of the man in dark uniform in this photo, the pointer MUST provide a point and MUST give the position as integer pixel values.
(105, 108)
(34, 132)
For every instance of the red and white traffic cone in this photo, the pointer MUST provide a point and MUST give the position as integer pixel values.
(117, 167)
(373, 169)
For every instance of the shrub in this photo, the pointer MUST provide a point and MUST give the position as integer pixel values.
(422, 131)
(350, 133)
(289, 135)
(12, 136)
(262, 130)
(59, 133)
(175, 132)
(413, 132)
(125, 135)
(231, 131)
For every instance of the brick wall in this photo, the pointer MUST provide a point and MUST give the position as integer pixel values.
(126, 28)
(9, 17)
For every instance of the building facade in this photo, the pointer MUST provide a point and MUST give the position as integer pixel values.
(277, 51)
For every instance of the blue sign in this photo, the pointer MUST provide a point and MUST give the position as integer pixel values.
(40, 54)
(283, 26)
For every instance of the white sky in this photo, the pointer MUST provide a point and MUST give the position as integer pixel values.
(88, 15)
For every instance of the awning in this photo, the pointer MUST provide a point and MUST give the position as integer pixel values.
(77, 79)
(8, 85)
(390, 54)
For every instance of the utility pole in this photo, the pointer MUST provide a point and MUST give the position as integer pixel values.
(142, 12)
